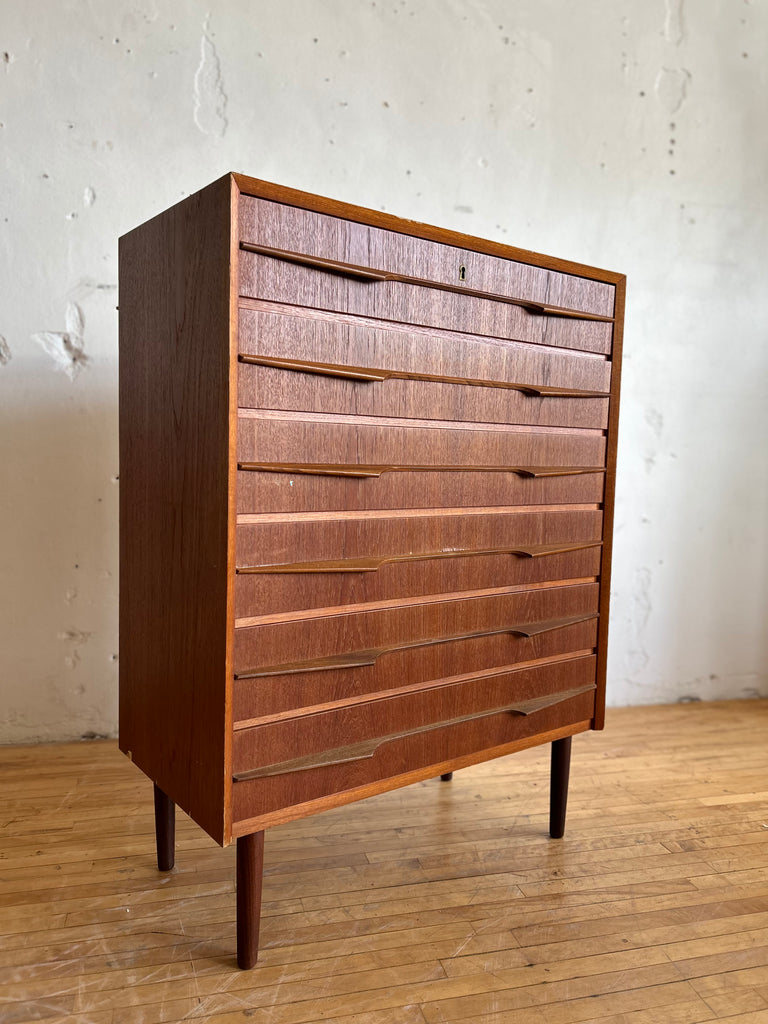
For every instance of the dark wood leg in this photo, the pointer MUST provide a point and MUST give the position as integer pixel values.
(447, 777)
(250, 868)
(165, 830)
(558, 792)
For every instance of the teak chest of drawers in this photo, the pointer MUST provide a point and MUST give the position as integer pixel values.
(366, 496)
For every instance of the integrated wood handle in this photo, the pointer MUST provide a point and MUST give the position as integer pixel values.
(371, 274)
(371, 564)
(359, 659)
(357, 471)
(367, 748)
(319, 262)
(369, 375)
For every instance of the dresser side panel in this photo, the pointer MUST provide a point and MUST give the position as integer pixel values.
(174, 440)
(608, 506)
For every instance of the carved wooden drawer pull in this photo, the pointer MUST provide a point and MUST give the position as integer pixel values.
(371, 274)
(370, 375)
(371, 564)
(362, 472)
(359, 659)
(367, 748)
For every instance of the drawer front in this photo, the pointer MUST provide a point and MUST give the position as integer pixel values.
(341, 241)
(281, 491)
(341, 634)
(397, 756)
(275, 280)
(380, 375)
(327, 736)
(304, 363)
(297, 565)
(341, 445)
(310, 684)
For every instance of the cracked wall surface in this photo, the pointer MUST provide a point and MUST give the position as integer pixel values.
(622, 135)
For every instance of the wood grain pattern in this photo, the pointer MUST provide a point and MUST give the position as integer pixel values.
(263, 491)
(357, 659)
(423, 754)
(402, 580)
(373, 563)
(374, 375)
(360, 471)
(416, 601)
(360, 515)
(472, 554)
(365, 749)
(326, 635)
(359, 273)
(401, 394)
(289, 332)
(174, 480)
(401, 715)
(306, 685)
(262, 277)
(370, 248)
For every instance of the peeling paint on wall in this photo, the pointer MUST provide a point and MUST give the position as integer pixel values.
(674, 24)
(671, 87)
(77, 638)
(598, 188)
(66, 347)
(88, 286)
(637, 657)
(655, 420)
(210, 98)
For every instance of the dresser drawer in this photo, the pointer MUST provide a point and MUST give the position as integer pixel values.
(356, 445)
(277, 490)
(291, 686)
(326, 736)
(307, 364)
(343, 633)
(349, 243)
(303, 564)
(276, 280)
(387, 756)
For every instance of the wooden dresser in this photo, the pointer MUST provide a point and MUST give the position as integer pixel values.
(366, 497)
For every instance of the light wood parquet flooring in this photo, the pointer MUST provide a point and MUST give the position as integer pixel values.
(442, 902)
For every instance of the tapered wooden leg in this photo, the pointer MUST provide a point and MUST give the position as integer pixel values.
(558, 792)
(165, 830)
(250, 869)
(447, 777)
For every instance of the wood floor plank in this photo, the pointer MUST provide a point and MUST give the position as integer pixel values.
(433, 904)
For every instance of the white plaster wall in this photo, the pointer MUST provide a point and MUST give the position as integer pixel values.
(625, 133)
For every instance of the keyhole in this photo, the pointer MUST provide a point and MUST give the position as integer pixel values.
(462, 273)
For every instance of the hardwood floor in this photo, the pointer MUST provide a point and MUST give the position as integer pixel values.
(443, 902)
